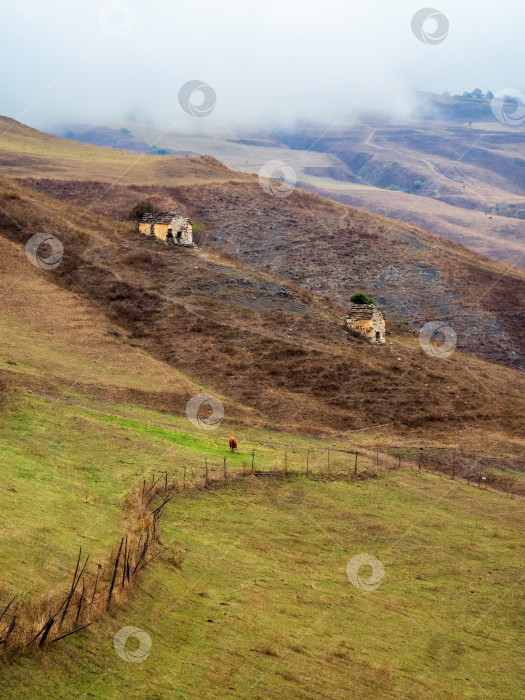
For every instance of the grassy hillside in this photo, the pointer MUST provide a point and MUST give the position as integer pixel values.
(70, 462)
(27, 151)
(260, 605)
(249, 596)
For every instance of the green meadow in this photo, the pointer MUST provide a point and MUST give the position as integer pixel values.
(250, 597)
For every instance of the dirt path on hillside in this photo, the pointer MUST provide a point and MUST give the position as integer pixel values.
(405, 154)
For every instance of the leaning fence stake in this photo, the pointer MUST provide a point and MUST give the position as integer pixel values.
(10, 629)
(73, 587)
(125, 557)
(7, 607)
(47, 630)
(94, 590)
(115, 573)
(72, 632)
(80, 602)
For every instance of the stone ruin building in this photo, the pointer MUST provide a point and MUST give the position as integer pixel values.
(368, 321)
(168, 226)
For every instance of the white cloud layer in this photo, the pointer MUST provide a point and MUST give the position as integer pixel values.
(269, 62)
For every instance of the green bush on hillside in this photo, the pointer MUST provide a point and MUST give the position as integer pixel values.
(360, 298)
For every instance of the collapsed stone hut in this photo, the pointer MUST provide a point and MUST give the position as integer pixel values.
(368, 321)
(168, 226)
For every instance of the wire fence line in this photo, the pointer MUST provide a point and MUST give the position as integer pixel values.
(503, 474)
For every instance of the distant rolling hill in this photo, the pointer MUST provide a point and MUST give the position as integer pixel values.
(462, 181)
(466, 183)
(121, 138)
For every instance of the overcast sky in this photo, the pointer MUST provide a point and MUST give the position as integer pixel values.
(268, 62)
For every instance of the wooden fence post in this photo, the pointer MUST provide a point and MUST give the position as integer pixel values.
(94, 590)
(253, 459)
(184, 482)
(79, 605)
(10, 629)
(399, 460)
(73, 586)
(225, 475)
(355, 465)
(7, 607)
(420, 459)
(114, 573)
(126, 555)
(307, 461)
(377, 457)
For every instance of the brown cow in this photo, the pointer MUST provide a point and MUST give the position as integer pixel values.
(233, 444)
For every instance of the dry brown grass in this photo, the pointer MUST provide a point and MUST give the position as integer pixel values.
(267, 345)
(346, 251)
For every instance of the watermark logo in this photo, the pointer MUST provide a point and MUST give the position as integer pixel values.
(189, 101)
(137, 655)
(430, 26)
(41, 244)
(508, 106)
(205, 411)
(438, 339)
(117, 18)
(376, 567)
(277, 178)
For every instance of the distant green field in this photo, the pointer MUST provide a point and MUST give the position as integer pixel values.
(261, 606)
